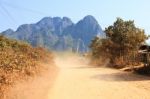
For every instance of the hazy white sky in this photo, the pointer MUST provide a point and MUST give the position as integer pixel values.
(16, 12)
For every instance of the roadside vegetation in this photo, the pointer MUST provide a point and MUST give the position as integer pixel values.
(121, 45)
(19, 61)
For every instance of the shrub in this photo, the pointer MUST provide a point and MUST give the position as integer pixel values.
(18, 60)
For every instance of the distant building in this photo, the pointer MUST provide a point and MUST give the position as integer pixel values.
(144, 54)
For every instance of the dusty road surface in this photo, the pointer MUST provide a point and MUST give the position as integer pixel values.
(77, 80)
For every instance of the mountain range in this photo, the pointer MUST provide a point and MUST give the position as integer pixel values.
(59, 34)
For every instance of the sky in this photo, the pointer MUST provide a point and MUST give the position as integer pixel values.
(16, 12)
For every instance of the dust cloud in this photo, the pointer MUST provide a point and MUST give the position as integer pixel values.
(39, 87)
(78, 80)
(34, 88)
(71, 60)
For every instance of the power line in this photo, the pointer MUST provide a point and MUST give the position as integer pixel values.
(21, 8)
(7, 13)
(3, 7)
(10, 16)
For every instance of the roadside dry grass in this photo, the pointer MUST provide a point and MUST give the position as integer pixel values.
(20, 62)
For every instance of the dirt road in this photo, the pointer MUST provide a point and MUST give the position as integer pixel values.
(77, 80)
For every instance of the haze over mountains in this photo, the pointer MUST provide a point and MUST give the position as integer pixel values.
(59, 34)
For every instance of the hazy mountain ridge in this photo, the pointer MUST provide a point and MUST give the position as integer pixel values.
(58, 33)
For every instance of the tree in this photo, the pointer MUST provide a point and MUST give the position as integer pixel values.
(122, 40)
